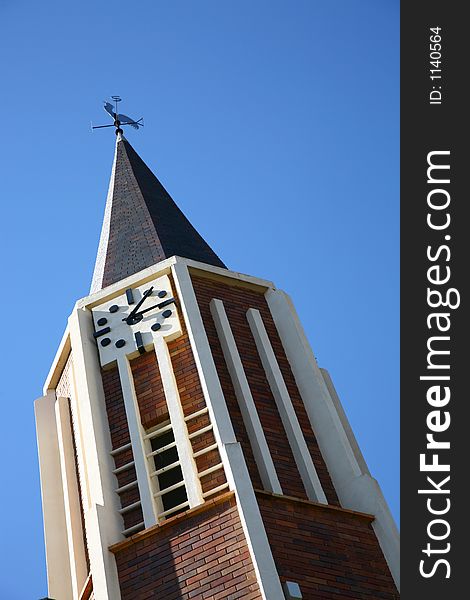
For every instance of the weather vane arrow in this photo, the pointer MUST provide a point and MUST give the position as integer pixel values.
(119, 119)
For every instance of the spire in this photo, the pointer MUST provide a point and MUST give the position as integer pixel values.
(142, 224)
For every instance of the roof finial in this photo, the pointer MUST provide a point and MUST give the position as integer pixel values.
(119, 119)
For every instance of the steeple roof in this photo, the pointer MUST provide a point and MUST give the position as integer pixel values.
(142, 224)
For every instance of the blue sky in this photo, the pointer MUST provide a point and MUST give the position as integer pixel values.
(273, 124)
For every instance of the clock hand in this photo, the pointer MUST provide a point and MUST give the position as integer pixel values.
(159, 305)
(131, 315)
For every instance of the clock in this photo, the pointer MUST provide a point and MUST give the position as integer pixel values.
(128, 324)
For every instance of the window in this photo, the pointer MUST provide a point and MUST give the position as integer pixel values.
(171, 494)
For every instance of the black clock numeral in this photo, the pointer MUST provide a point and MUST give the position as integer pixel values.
(156, 326)
(101, 332)
(166, 314)
(140, 342)
(114, 308)
(120, 343)
(130, 296)
(105, 342)
(162, 294)
(102, 321)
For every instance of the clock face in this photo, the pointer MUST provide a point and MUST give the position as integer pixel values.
(128, 323)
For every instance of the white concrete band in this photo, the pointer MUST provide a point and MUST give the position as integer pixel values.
(286, 410)
(345, 423)
(139, 447)
(71, 494)
(102, 521)
(252, 523)
(230, 451)
(246, 403)
(180, 430)
(354, 486)
(208, 376)
(59, 582)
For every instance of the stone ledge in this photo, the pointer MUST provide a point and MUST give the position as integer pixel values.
(170, 522)
(318, 505)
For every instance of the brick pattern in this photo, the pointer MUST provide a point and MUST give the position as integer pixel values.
(63, 389)
(149, 390)
(119, 431)
(198, 554)
(237, 301)
(192, 400)
(129, 241)
(332, 554)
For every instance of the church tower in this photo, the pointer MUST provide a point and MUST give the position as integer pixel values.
(190, 447)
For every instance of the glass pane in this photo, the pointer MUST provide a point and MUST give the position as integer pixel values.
(174, 498)
(169, 478)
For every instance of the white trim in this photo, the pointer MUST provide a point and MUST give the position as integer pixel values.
(198, 413)
(199, 432)
(180, 431)
(162, 268)
(71, 494)
(286, 410)
(102, 520)
(252, 523)
(122, 448)
(210, 384)
(127, 487)
(205, 450)
(344, 421)
(243, 277)
(170, 488)
(162, 449)
(219, 488)
(59, 582)
(230, 451)
(165, 469)
(125, 467)
(98, 271)
(246, 403)
(136, 433)
(116, 289)
(130, 507)
(130, 530)
(212, 469)
(59, 362)
(173, 509)
(157, 433)
(355, 488)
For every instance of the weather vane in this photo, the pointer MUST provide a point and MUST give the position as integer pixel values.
(119, 119)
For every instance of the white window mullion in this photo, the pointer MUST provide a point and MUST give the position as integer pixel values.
(245, 399)
(139, 445)
(178, 424)
(73, 518)
(286, 410)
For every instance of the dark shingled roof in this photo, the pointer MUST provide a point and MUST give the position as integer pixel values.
(142, 224)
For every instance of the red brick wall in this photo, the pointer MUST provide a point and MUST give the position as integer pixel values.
(119, 431)
(115, 408)
(331, 553)
(149, 390)
(237, 300)
(198, 554)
